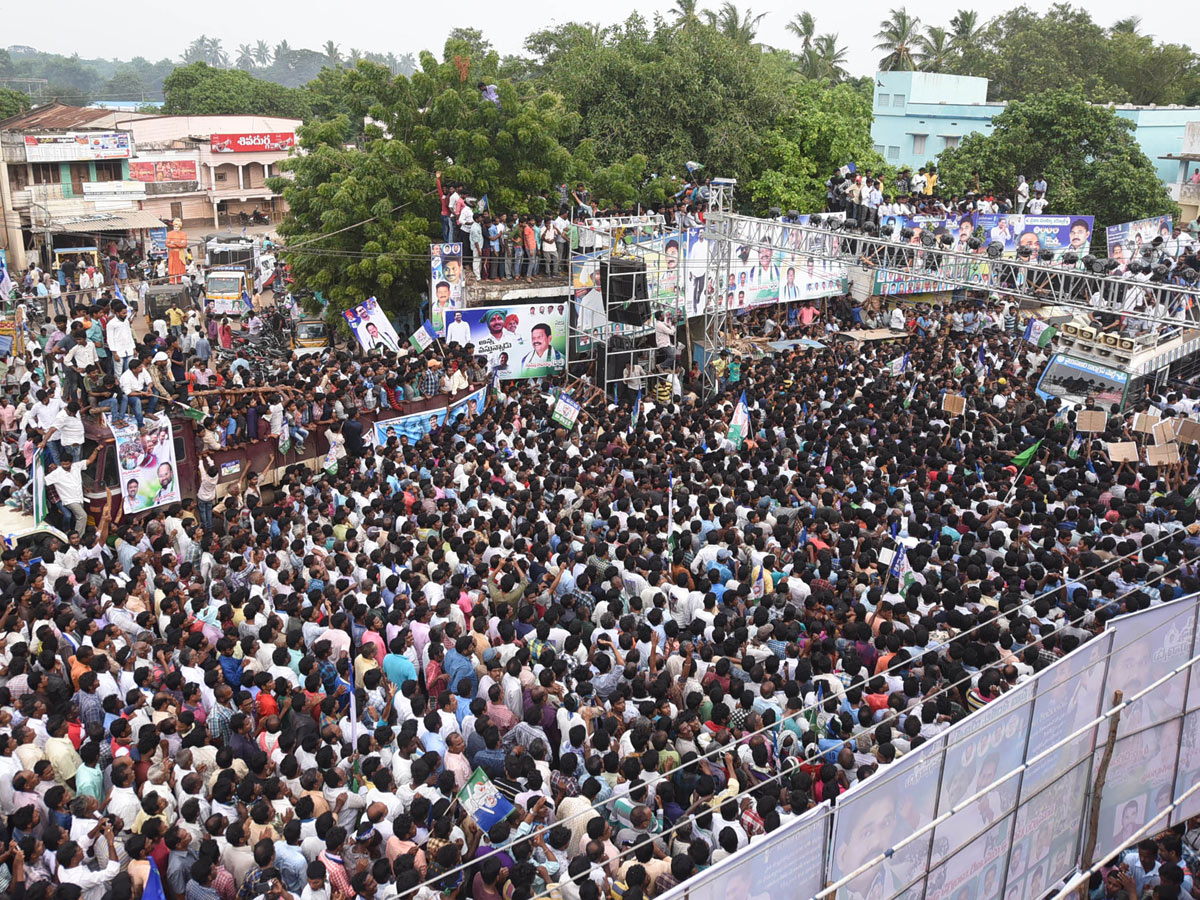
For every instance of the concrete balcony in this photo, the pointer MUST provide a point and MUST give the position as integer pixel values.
(1184, 193)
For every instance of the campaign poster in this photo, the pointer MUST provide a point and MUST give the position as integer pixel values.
(372, 327)
(1140, 784)
(1045, 845)
(789, 862)
(1069, 694)
(980, 750)
(1147, 645)
(145, 463)
(1125, 241)
(157, 246)
(470, 405)
(1057, 234)
(877, 814)
(665, 264)
(412, 427)
(566, 411)
(696, 294)
(520, 341)
(445, 281)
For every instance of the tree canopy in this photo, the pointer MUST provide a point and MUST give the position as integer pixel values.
(201, 90)
(1087, 154)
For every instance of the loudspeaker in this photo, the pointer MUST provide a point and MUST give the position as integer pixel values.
(623, 284)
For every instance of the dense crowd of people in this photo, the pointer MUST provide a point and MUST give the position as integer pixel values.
(660, 644)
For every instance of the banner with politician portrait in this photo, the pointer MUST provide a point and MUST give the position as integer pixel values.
(521, 341)
(1058, 234)
(1127, 240)
(412, 427)
(145, 463)
(371, 327)
(470, 405)
(445, 281)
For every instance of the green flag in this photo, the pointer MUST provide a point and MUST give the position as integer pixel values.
(1025, 457)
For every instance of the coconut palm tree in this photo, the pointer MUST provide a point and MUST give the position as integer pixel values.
(898, 37)
(1129, 25)
(828, 59)
(935, 49)
(196, 51)
(406, 64)
(803, 26)
(354, 55)
(685, 13)
(284, 54)
(262, 54)
(734, 24)
(332, 53)
(965, 29)
(216, 54)
(245, 57)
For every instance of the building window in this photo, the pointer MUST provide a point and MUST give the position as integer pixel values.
(883, 99)
(951, 142)
(898, 101)
(18, 176)
(107, 170)
(879, 149)
(46, 173)
(919, 144)
(893, 152)
(219, 176)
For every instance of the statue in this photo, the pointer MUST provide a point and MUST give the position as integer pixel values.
(176, 249)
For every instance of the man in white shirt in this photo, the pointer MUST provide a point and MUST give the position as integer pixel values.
(1037, 205)
(92, 883)
(67, 478)
(65, 436)
(120, 339)
(135, 384)
(458, 331)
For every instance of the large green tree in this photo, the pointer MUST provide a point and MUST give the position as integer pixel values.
(1091, 162)
(825, 127)
(199, 90)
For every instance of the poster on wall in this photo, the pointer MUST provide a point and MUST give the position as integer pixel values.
(521, 341)
(372, 327)
(68, 147)
(1125, 241)
(145, 463)
(445, 281)
(163, 170)
(1057, 234)
(251, 143)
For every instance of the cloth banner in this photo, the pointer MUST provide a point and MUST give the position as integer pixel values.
(145, 463)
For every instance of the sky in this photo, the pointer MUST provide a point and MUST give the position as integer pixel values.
(375, 25)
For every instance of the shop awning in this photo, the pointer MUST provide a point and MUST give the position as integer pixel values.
(131, 220)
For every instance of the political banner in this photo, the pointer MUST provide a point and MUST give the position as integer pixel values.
(1125, 241)
(665, 257)
(445, 281)
(1045, 845)
(1147, 645)
(414, 426)
(975, 871)
(875, 815)
(1188, 768)
(1057, 234)
(471, 405)
(786, 863)
(979, 750)
(145, 463)
(483, 802)
(1069, 694)
(520, 341)
(566, 411)
(40, 503)
(1141, 777)
(959, 228)
(372, 327)
(697, 293)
